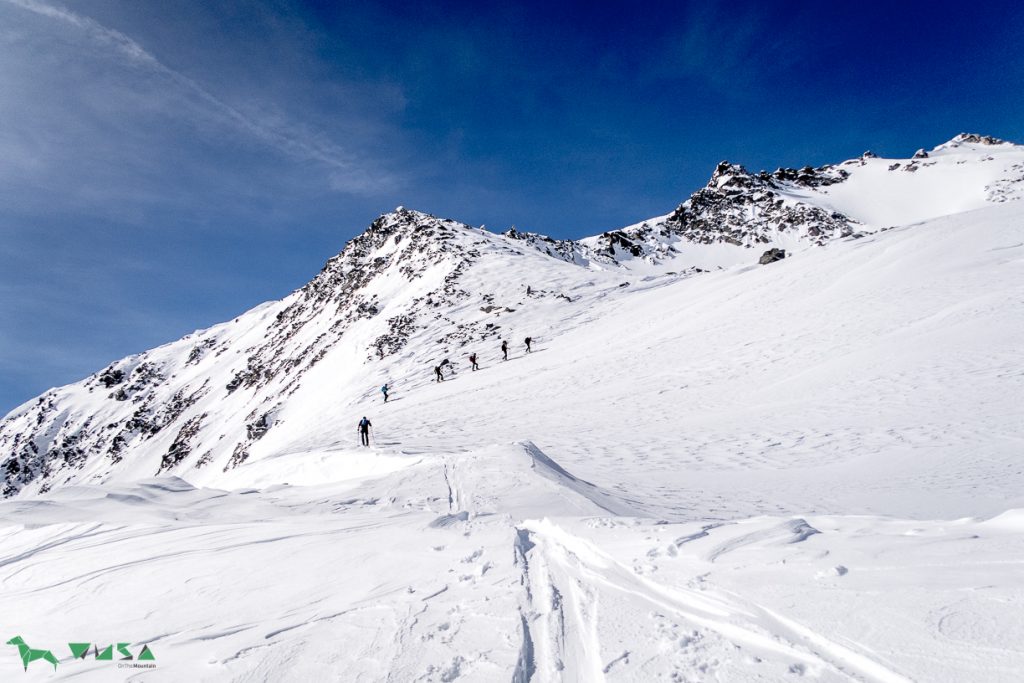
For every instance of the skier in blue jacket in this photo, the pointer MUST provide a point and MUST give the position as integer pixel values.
(364, 431)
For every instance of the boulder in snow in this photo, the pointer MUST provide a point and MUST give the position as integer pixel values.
(772, 255)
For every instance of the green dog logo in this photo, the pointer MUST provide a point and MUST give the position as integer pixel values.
(30, 655)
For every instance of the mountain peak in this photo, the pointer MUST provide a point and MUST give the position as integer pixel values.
(402, 217)
(968, 141)
(975, 138)
(404, 236)
(728, 174)
(405, 213)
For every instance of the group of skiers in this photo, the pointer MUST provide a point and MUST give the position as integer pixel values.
(504, 347)
(365, 425)
(473, 365)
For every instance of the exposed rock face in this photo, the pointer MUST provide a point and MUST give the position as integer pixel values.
(618, 240)
(110, 377)
(974, 138)
(741, 208)
(566, 250)
(182, 447)
(771, 256)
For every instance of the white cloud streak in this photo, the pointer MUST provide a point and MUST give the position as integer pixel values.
(344, 172)
(725, 47)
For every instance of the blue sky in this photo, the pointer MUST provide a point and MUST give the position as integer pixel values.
(165, 166)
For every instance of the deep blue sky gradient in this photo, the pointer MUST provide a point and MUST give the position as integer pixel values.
(165, 166)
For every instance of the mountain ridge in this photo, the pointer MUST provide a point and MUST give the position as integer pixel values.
(415, 289)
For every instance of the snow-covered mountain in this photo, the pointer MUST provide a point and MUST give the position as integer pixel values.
(414, 289)
(707, 468)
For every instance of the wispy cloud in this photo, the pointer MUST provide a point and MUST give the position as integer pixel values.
(729, 47)
(345, 172)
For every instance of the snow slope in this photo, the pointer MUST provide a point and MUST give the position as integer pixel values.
(805, 469)
(969, 172)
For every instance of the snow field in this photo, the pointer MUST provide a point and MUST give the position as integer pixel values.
(435, 572)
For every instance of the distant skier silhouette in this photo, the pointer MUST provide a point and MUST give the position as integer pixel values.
(384, 390)
(528, 340)
(438, 375)
(504, 349)
(472, 361)
(364, 431)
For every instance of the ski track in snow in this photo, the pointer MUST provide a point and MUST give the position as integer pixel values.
(577, 596)
(583, 567)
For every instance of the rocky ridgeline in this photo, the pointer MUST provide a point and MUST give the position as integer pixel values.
(566, 250)
(746, 209)
(974, 139)
(751, 210)
(735, 207)
(739, 208)
(337, 297)
(420, 241)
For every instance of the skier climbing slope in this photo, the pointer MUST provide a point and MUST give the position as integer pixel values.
(364, 431)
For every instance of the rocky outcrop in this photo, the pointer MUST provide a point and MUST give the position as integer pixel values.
(974, 138)
(741, 208)
(182, 446)
(110, 377)
(771, 256)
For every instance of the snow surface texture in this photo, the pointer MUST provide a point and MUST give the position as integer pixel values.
(706, 469)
